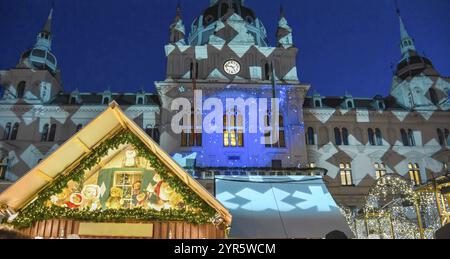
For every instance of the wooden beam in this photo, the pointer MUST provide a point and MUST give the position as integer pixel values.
(83, 145)
(45, 176)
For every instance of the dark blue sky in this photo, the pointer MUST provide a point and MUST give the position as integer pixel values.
(345, 45)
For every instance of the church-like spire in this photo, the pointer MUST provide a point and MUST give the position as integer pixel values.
(284, 31)
(44, 37)
(406, 43)
(48, 24)
(177, 29)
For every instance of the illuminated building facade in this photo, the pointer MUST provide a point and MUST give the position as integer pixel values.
(227, 55)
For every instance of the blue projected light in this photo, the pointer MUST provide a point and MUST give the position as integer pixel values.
(280, 207)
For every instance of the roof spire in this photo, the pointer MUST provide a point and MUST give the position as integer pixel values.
(177, 29)
(48, 24)
(282, 11)
(178, 15)
(407, 43)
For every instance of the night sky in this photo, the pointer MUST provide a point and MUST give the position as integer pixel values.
(346, 45)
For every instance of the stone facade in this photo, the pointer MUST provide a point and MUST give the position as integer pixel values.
(354, 139)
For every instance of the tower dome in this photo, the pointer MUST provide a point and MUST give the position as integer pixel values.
(40, 56)
(219, 12)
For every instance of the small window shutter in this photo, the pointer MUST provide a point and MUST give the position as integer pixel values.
(105, 177)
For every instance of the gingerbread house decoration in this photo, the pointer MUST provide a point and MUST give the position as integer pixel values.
(111, 180)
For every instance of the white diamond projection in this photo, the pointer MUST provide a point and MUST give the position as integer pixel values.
(317, 198)
(273, 199)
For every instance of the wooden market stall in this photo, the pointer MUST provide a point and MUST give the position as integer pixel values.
(111, 180)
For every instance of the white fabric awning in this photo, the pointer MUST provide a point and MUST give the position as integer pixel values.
(280, 207)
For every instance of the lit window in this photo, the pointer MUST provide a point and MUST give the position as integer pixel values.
(312, 165)
(130, 183)
(380, 170)
(233, 129)
(414, 174)
(345, 170)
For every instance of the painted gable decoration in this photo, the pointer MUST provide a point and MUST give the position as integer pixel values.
(121, 177)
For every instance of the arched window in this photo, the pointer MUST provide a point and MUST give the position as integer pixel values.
(189, 138)
(153, 133)
(233, 135)
(414, 174)
(337, 137)
(380, 105)
(310, 137)
(447, 136)
(345, 136)
(52, 134)
(7, 131)
(317, 104)
(140, 101)
(349, 104)
(345, 171)
(106, 100)
(441, 137)
(3, 167)
(379, 137)
(380, 170)
(281, 135)
(73, 100)
(15, 131)
(404, 137)
(412, 141)
(433, 96)
(193, 70)
(79, 127)
(371, 135)
(21, 89)
(44, 134)
(267, 71)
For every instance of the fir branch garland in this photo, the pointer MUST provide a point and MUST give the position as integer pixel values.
(37, 210)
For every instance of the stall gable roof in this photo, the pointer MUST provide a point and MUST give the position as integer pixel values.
(68, 155)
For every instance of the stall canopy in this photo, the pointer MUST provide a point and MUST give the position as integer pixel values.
(280, 207)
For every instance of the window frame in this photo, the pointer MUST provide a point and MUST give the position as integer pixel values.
(346, 175)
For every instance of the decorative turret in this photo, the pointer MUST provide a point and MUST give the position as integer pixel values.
(40, 56)
(407, 43)
(284, 32)
(177, 29)
(416, 83)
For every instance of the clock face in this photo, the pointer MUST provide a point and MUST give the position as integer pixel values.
(232, 67)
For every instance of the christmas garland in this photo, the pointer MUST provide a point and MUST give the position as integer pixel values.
(38, 211)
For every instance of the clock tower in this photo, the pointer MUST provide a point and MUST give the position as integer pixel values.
(227, 55)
